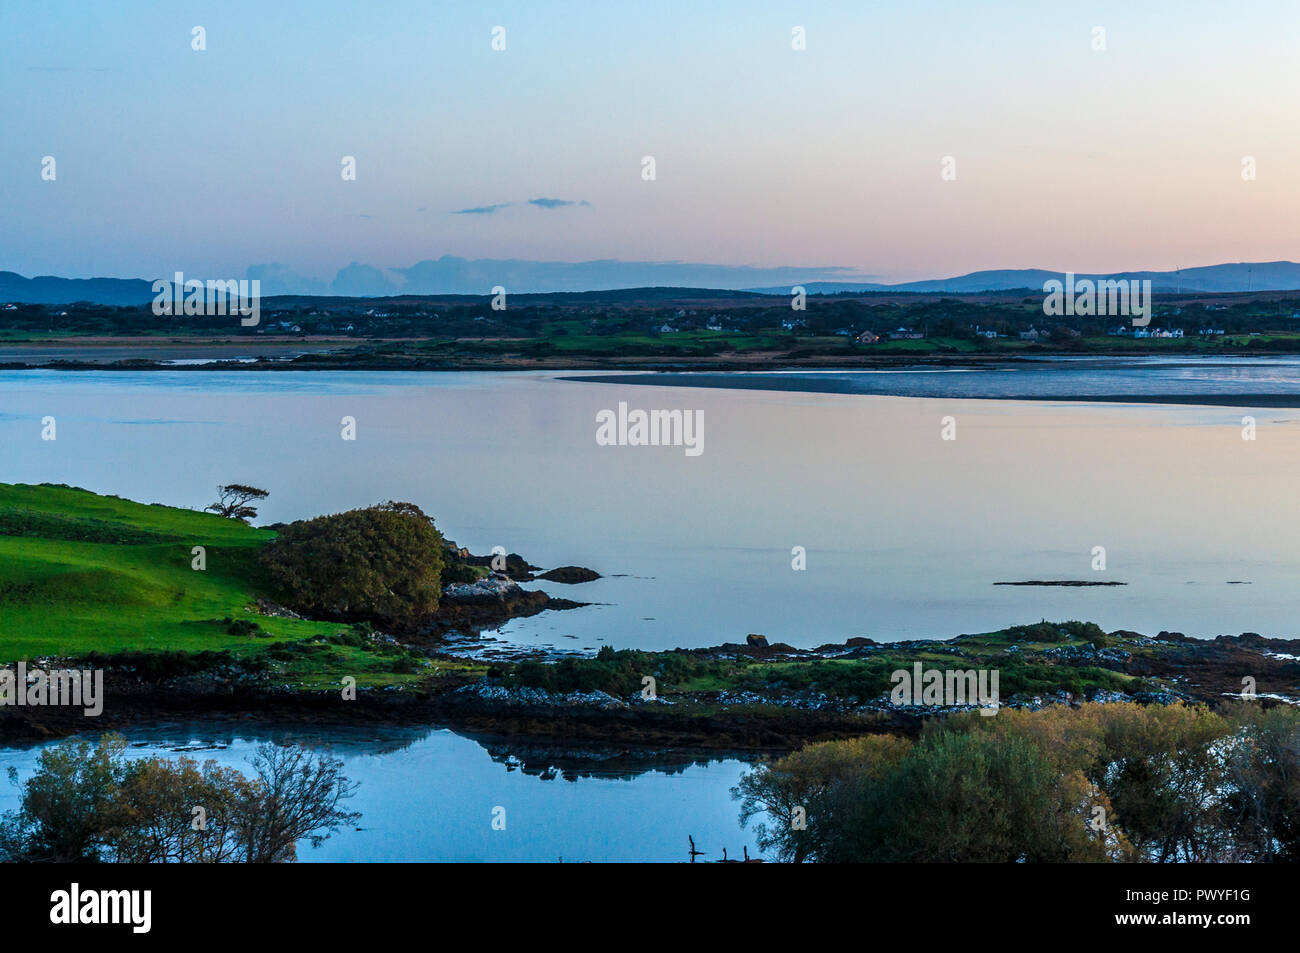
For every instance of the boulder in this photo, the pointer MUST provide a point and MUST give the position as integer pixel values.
(494, 588)
(570, 575)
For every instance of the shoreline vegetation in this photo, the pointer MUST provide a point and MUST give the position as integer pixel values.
(640, 329)
(97, 582)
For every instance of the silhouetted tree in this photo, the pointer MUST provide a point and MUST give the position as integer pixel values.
(234, 499)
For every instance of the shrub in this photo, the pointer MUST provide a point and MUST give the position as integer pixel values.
(241, 626)
(382, 564)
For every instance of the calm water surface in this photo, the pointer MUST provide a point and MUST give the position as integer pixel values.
(429, 795)
(905, 533)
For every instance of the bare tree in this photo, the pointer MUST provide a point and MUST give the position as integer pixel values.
(234, 499)
(297, 795)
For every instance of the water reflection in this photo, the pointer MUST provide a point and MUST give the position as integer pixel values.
(429, 794)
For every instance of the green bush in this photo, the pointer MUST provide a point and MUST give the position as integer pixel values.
(381, 564)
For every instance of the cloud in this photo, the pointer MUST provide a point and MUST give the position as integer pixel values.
(363, 280)
(482, 209)
(280, 279)
(542, 202)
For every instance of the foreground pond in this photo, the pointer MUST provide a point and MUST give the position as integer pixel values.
(429, 795)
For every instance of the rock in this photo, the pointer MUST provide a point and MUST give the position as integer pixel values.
(494, 588)
(1085, 651)
(1155, 698)
(488, 691)
(756, 641)
(570, 575)
(514, 566)
(1104, 697)
(267, 607)
(859, 642)
(457, 552)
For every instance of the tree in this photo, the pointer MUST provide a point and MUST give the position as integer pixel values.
(67, 806)
(1163, 769)
(155, 820)
(1263, 769)
(381, 564)
(964, 798)
(804, 780)
(297, 796)
(233, 501)
(88, 803)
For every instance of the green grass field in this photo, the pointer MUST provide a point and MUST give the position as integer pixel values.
(82, 572)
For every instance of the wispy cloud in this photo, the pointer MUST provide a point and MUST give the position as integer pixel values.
(483, 209)
(555, 203)
(542, 202)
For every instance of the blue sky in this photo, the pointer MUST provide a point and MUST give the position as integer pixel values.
(1067, 158)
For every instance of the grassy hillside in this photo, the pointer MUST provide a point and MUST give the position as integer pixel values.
(82, 572)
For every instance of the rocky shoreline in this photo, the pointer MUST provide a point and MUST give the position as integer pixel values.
(750, 714)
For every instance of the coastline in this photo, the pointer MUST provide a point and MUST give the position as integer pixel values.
(806, 385)
(752, 697)
(759, 372)
(321, 353)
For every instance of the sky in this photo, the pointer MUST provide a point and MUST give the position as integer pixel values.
(1067, 157)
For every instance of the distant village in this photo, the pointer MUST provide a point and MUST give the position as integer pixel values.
(1011, 324)
(652, 318)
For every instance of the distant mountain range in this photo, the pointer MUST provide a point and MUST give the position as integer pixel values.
(450, 275)
(50, 290)
(1239, 276)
